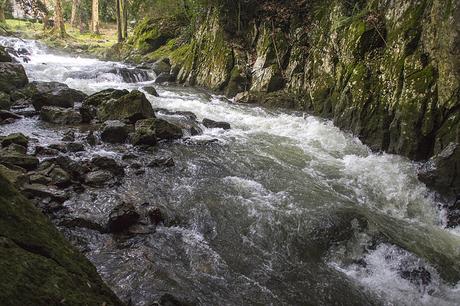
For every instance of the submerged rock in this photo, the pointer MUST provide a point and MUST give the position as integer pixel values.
(211, 124)
(98, 178)
(8, 115)
(161, 162)
(53, 94)
(59, 115)
(114, 131)
(122, 217)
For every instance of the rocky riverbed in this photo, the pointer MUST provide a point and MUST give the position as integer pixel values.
(181, 197)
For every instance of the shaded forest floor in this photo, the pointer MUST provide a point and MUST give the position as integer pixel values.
(83, 44)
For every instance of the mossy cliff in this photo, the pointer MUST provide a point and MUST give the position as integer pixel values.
(388, 71)
(37, 265)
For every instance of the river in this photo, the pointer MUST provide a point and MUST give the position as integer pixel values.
(283, 209)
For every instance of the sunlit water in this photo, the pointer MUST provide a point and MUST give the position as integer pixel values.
(274, 212)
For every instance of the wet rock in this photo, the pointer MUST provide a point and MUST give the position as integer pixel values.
(161, 66)
(60, 177)
(144, 133)
(12, 77)
(75, 147)
(122, 217)
(132, 107)
(53, 94)
(5, 57)
(211, 124)
(69, 136)
(21, 160)
(114, 131)
(88, 113)
(59, 147)
(17, 177)
(15, 148)
(170, 300)
(37, 178)
(164, 77)
(43, 191)
(128, 156)
(161, 162)
(440, 173)
(77, 222)
(5, 101)
(8, 115)
(76, 169)
(91, 139)
(99, 98)
(98, 178)
(107, 163)
(59, 115)
(16, 138)
(167, 131)
(151, 91)
(45, 151)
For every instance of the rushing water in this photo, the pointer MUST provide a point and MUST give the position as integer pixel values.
(283, 209)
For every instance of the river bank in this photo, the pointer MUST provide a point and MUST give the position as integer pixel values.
(313, 213)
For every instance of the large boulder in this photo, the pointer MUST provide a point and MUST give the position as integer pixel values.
(132, 107)
(53, 94)
(114, 131)
(59, 115)
(99, 98)
(167, 131)
(15, 138)
(12, 77)
(38, 266)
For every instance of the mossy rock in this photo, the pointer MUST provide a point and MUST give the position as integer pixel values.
(132, 107)
(37, 265)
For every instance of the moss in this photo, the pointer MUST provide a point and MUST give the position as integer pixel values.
(37, 265)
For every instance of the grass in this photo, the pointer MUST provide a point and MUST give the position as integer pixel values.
(83, 43)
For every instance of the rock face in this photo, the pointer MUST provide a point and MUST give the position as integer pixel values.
(132, 107)
(37, 265)
(53, 94)
(384, 70)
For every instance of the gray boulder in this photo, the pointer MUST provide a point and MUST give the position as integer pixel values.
(59, 115)
(12, 77)
(53, 94)
(114, 131)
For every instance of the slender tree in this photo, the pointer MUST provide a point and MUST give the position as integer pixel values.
(59, 27)
(119, 23)
(2, 10)
(75, 17)
(95, 17)
(125, 19)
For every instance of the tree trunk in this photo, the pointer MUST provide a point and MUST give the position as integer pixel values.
(45, 16)
(75, 19)
(95, 17)
(119, 25)
(125, 19)
(2, 10)
(59, 26)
